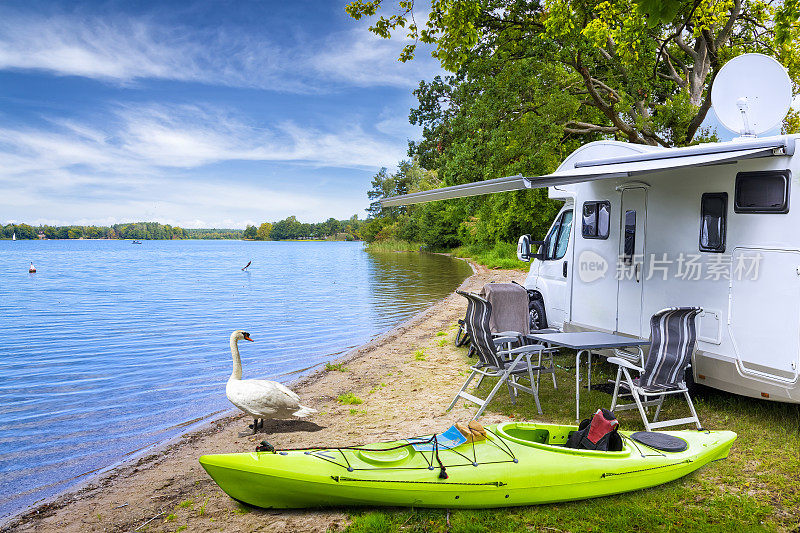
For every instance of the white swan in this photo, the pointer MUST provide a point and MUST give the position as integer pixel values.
(260, 398)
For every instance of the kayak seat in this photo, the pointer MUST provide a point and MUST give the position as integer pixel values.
(660, 441)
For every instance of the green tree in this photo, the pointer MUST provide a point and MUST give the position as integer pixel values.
(263, 231)
(250, 232)
(641, 78)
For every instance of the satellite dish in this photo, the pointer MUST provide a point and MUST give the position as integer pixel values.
(751, 94)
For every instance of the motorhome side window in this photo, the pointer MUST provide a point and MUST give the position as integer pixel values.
(630, 236)
(762, 192)
(713, 215)
(558, 239)
(596, 220)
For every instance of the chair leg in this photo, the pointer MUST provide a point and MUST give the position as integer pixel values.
(635, 394)
(691, 408)
(480, 380)
(553, 368)
(658, 408)
(503, 379)
(535, 386)
(463, 388)
(616, 390)
(511, 390)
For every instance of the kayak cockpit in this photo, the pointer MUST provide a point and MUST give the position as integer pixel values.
(550, 437)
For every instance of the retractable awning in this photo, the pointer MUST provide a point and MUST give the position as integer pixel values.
(617, 167)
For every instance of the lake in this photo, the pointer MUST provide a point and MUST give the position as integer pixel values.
(112, 347)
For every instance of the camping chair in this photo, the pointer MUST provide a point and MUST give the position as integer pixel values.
(511, 317)
(492, 361)
(672, 341)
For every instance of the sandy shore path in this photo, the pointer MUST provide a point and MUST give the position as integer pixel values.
(402, 395)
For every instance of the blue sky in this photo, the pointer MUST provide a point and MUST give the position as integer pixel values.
(201, 114)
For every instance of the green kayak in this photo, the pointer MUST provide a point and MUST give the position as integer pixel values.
(517, 464)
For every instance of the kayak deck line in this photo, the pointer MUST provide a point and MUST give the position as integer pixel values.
(685, 461)
(486, 483)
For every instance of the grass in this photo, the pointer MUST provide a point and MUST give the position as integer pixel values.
(419, 355)
(338, 367)
(501, 255)
(393, 245)
(755, 489)
(348, 398)
(202, 510)
(442, 343)
(186, 504)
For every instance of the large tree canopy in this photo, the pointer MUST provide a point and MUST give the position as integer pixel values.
(638, 71)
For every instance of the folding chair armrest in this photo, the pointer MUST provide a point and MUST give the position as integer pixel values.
(624, 362)
(631, 356)
(509, 333)
(528, 348)
(504, 340)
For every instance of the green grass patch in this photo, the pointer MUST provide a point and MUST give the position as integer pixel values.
(201, 511)
(170, 517)
(443, 342)
(242, 509)
(186, 504)
(440, 334)
(348, 398)
(419, 355)
(335, 367)
(393, 245)
(500, 255)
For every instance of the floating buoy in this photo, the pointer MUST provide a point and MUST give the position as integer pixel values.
(32, 269)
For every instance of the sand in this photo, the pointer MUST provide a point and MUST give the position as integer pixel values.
(402, 395)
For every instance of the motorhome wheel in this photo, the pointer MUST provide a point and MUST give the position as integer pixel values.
(537, 314)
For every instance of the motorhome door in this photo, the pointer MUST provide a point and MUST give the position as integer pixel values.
(629, 268)
(554, 272)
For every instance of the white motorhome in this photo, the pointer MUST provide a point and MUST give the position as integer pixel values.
(642, 228)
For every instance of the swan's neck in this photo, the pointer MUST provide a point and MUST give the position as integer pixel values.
(237, 361)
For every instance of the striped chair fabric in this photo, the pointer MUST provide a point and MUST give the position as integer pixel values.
(673, 336)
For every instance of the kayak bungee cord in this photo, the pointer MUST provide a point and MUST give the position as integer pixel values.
(319, 452)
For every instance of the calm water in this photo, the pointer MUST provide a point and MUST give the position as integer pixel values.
(112, 347)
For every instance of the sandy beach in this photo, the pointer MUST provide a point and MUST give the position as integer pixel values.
(403, 395)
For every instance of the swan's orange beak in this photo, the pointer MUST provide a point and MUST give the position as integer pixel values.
(247, 338)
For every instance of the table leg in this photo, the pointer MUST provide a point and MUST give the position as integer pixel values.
(589, 371)
(578, 386)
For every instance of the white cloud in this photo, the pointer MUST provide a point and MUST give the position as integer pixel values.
(137, 166)
(124, 50)
(142, 138)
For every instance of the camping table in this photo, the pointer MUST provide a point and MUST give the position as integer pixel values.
(585, 342)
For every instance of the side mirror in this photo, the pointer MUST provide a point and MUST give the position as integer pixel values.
(524, 248)
(541, 256)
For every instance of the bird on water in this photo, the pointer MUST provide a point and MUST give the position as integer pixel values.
(247, 265)
(260, 398)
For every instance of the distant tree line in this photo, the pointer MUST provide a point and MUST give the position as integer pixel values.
(134, 230)
(289, 228)
(292, 229)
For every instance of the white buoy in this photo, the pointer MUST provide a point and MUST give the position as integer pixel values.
(32, 269)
